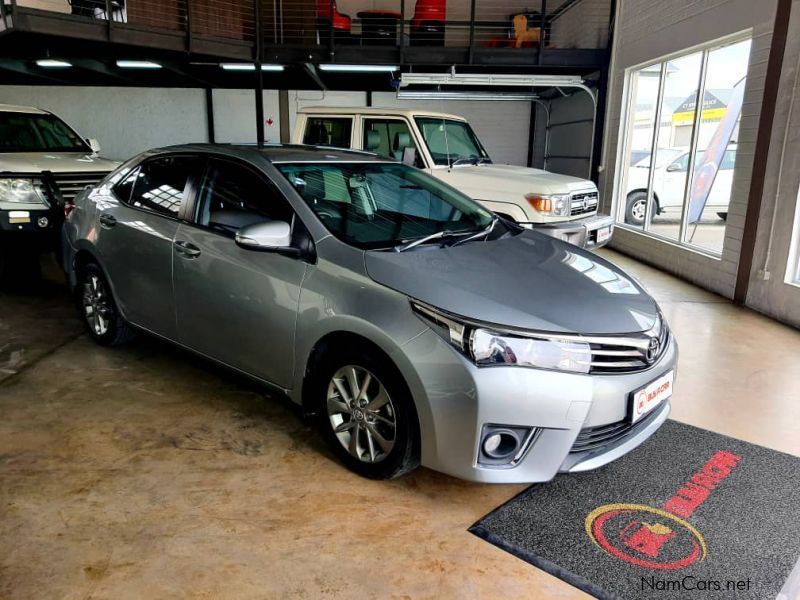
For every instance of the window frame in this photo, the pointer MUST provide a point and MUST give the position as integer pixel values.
(188, 188)
(627, 110)
(193, 209)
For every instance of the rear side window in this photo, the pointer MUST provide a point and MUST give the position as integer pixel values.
(328, 131)
(158, 185)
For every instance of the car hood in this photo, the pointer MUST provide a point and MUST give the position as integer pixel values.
(528, 281)
(511, 178)
(57, 162)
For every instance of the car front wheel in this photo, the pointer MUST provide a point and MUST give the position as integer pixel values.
(366, 415)
(635, 208)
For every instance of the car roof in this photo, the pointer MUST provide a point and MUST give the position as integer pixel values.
(371, 110)
(22, 109)
(280, 153)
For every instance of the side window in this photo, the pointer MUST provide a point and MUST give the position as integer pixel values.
(232, 196)
(682, 164)
(328, 131)
(387, 137)
(123, 188)
(158, 185)
(728, 160)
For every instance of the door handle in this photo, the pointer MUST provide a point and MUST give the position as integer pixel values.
(107, 220)
(186, 249)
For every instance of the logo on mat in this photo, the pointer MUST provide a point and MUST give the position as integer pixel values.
(660, 538)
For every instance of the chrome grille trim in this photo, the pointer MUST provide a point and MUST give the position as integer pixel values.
(70, 184)
(592, 438)
(582, 203)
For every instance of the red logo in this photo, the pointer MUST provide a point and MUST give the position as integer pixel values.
(660, 538)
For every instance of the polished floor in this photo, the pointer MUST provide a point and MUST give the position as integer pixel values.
(143, 472)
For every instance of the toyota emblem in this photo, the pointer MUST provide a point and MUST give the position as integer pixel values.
(652, 350)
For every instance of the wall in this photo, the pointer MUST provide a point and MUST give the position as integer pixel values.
(584, 25)
(127, 120)
(780, 209)
(573, 140)
(648, 30)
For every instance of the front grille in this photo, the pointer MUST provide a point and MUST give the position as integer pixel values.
(583, 203)
(630, 353)
(69, 184)
(592, 438)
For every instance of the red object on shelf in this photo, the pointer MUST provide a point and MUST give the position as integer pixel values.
(340, 21)
(429, 11)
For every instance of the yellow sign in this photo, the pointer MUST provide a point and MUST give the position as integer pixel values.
(708, 114)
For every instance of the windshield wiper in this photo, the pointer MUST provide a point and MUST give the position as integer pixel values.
(484, 232)
(429, 238)
(484, 160)
(461, 160)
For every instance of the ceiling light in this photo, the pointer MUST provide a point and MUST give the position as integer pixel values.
(49, 63)
(487, 96)
(491, 79)
(138, 64)
(337, 68)
(249, 67)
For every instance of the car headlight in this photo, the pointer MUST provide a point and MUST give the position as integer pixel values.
(557, 205)
(486, 347)
(22, 191)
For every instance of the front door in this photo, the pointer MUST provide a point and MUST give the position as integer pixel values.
(236, 305)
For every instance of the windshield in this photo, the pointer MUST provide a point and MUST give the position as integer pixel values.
(380, 205)
(451, 141)
(27, 132)
(663, 156)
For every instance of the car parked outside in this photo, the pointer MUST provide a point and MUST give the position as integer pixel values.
(413, 323)
(669, 185)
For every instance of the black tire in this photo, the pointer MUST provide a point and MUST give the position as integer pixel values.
(404, 455)
(634, 208)
(93, 289)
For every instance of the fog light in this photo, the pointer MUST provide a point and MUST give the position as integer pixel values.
(43, 222)
(503, 446)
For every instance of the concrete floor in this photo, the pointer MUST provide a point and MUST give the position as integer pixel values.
(143, 472)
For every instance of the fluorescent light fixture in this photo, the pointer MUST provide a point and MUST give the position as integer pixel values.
(250, 67)
(138, 64)
(489, 79)
(337, 68)
(486, 96)
(49, 63)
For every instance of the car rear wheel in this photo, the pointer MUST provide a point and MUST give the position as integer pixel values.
(366, 415)
(98, 309)
(635, 208)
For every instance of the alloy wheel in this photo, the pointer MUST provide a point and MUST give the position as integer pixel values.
(361, 414)
(638, 211)
(96, 306)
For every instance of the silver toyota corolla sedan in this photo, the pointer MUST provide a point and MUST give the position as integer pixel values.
(415, 325)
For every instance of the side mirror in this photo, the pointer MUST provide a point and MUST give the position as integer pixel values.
(672, 168)
(94, 145)
(267, 236)
(410, 156)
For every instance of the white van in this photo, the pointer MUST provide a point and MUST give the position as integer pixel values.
(445, 146)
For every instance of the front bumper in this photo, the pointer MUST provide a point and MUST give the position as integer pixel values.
(455, 400)
(37, 223)
(581, 232)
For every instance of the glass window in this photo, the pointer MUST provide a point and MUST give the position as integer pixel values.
(233, 196)
(159, 184)
(328, 131)
(451, 142)
(379, 205)
(672, 196)
(388, 137)
(30, 132)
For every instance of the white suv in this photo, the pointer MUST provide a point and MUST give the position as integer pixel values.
(669, 184)
(445, 146)
(44, 163)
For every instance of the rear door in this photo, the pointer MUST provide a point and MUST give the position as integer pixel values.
(236, 305)
(135, 235)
